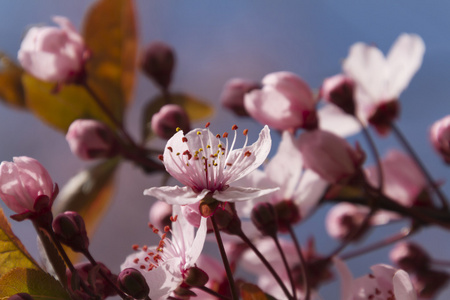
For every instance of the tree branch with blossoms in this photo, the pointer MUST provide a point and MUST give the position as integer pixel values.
(256, 204)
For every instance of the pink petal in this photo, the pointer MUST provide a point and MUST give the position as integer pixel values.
(175, 194)
(235, 194)
(404, 58)
(243, 164)
(403, 288)
(335, 120)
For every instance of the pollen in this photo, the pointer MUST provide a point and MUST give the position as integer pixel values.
(199, 132)
(178, 129)
(170, 149)
(245, 132)
(207, 124)
(135, 247)
(184, 139)
(247, 154)
(225, 134)
(234, 127)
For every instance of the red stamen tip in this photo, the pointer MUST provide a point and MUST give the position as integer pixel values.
(245, 132)
(207, 124)
(160, 157)
(234, 127)
(225, 134)
(135, 247)
(166, 229)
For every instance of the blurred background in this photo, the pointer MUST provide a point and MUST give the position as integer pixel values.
(215, 41)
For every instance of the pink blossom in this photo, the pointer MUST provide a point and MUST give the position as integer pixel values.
(440, 137)
(90, 139)
(379, 79)
(170, 117)
(53, 54)
(26, 187)
(330, 156)
(285, 102)
(403, 180)
(166, 265)
(344, 220)
(338, 90)
(285, 171)
(233, 94)
(207, 165)
(385, 282)
(160, 213)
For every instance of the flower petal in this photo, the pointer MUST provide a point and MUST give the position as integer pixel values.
(335, 120)
(404, 59)
(175, 194)
(234, 194)
(403, 288)
(242, 164)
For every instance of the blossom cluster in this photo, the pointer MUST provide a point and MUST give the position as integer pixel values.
(239, 197)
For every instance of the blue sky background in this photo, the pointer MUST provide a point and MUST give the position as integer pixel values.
(218, 40)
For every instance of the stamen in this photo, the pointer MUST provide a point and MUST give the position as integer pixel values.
(170, 149)
(207, 124)
(218, 136)
(160, 157)
(166, 228)
(184, 139)
(178, 129)
(136, 260)
(135, 247)
(247, 154)
(225, 134)
(234, 127)
(199, 133)
(144, 248)
(245, 132)
(174, 218)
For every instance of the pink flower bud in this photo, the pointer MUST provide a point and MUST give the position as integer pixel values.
(90, 139)
(70, 230)
(264, 218)
(94, 280)
(344, 220)
(132, 282)
(157, 62)
(440, 137)
(26, 187)
(330, 156)
(53, 54)
(233, 94)
(339, 91)
(409, 257)
(170, 117)
(285, 102)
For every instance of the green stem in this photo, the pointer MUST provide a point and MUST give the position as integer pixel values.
(226, 264)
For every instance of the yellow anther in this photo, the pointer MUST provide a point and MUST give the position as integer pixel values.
(178, 129)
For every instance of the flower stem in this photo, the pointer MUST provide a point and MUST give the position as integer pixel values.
(390, 240)
(375, 154)
(427, 175)
(305, 273)
(267, 264)
(288, 270)
(214, 293)
(112, 284)
(226, 264)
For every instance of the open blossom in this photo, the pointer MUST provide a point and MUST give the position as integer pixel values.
(26, 187)
(206, 165)
(285, 102)
(165, 266)
(53, 54)
(440, 137)
(378, 82)
(385, 282)
(301, 188)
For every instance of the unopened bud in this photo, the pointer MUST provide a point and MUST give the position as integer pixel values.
(91, 139)
(184, 292)
(160, 214)
(227, 219)
(70, 229)
(233, 93)
(21, 296)
(132, 282)
(157, 62)
(196, 277)
(339, 91)
(170, 117)
(409, 257)
(287, 214)
(440, 137)
(90, 274)
(344, 221)
(265, 219)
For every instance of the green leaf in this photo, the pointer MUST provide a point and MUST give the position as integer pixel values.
(88, 193)
(11, 90)
(12, 252)
(195, 108)
(37, 283)
(110, 34)
(61, 108)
